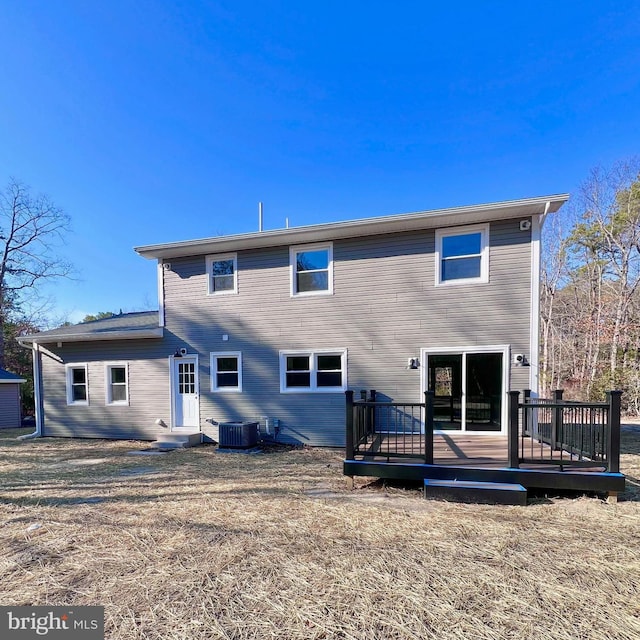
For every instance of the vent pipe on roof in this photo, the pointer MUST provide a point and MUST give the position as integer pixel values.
(259, 216)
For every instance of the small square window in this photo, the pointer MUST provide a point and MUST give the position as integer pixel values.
(329, 370)
(222, 274)
(117, 383)
(462, 255)
(226, 371)
(311, 270)
(77, 384)
(298, 371)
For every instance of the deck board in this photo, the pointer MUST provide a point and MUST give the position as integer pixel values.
(462, 448)
(449, 448)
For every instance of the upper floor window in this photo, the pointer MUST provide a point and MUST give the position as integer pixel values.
(222, 272)
(226, 371)
(462, 255)
(77, 384)
(313, 371)
(117, 383)
(311, 269)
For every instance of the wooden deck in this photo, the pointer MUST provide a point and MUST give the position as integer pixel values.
(382, 441)
(475, 457)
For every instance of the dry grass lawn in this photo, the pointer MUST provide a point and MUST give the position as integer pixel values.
(199, 544)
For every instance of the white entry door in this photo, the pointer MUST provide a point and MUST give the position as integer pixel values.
(185, 392)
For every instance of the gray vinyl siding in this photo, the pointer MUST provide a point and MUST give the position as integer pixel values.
(385, 308)
(9, 406)
(149, 398)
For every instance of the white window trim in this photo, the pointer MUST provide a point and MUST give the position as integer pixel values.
(214, 370)
(483, 229)
(219, 258)
(292, 269)
(69, 382)
(108, 397)
(312, 353)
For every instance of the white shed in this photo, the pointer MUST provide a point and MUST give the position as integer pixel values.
(10, 410)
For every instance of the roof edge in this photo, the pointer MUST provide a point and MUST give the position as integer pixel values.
(124, 334)
(360, 226)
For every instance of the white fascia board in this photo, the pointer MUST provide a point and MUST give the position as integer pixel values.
(358, 228)
(14, 381)
(93, 337)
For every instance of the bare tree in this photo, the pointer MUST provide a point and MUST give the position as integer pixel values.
(31, 230)
(554, 276)
(591, 289)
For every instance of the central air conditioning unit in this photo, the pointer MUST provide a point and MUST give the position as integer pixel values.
(238, 435)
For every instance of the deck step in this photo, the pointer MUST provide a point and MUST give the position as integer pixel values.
(178, 440)
(475, 492)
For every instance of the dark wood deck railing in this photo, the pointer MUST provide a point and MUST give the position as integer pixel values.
(391, 429)
(564, 433)
(554, 431)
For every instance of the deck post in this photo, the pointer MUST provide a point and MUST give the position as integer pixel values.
(349, 425)
(372, 421)
(428, 426)
(613, 432)
(363, 416)
(525, 412)
(556, 421)
(514, 398)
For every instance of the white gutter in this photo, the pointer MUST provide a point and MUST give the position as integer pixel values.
(543, 216)
(37, 393)
(160, 270)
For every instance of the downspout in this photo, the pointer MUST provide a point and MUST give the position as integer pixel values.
(37, 392)
(534, 344)
(543, 216)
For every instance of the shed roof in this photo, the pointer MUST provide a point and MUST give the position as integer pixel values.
(357, 228)
(6, 377)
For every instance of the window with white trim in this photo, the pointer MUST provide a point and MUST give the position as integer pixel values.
(222, 274)
(319, 371)
(226, 371)
(311, 269)
(117, 383)
(77, 384)
(462, 255)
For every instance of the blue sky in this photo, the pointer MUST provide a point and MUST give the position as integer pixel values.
(154, 121)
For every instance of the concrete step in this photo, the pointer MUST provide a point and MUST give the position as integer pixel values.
(471, 491)
(177, 440)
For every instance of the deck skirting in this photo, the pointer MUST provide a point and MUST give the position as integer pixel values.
(596, 481)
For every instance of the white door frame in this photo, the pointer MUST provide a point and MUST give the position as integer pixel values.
(173, 362)
(503, 349)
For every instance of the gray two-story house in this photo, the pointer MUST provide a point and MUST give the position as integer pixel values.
(274, 326)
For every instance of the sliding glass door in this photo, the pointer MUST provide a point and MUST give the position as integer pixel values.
(469, 389)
